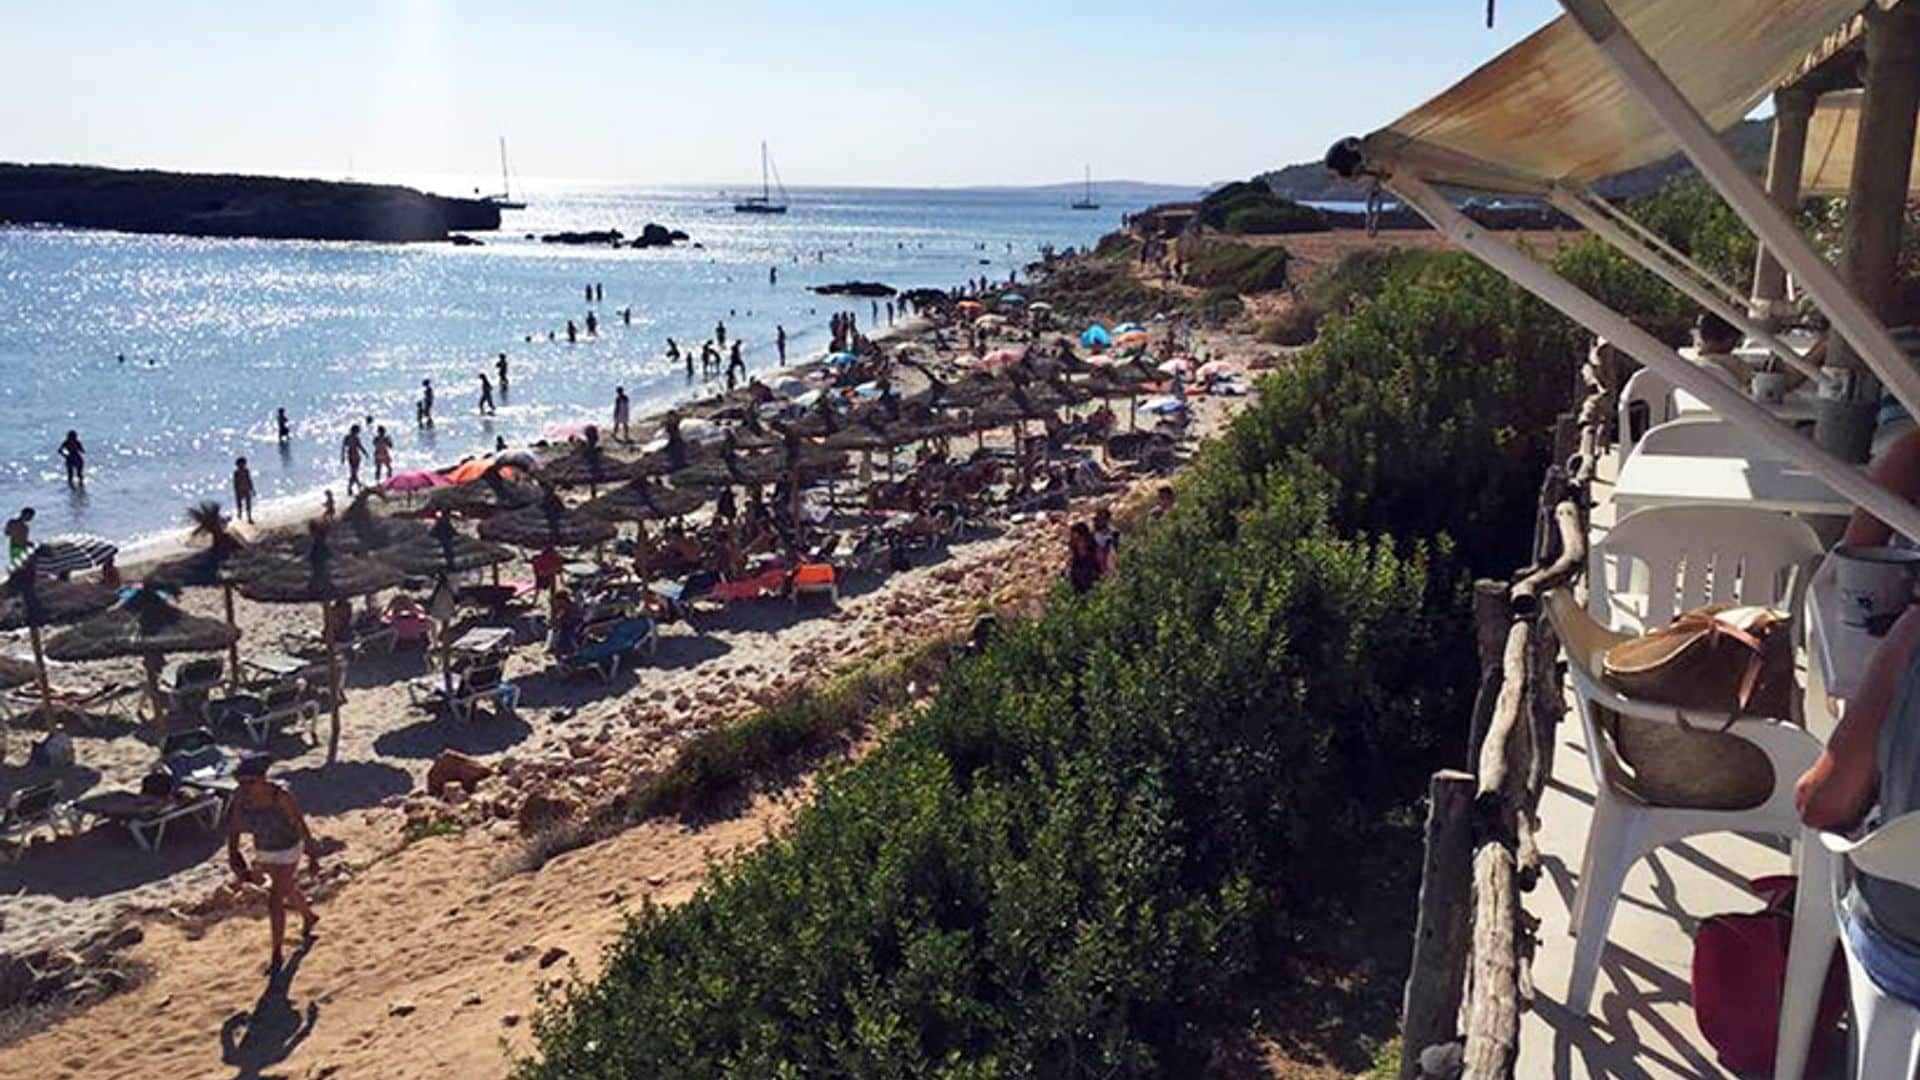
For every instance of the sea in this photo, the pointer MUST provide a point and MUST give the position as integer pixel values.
(168, 355)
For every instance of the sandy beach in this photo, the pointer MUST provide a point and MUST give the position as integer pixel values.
(425, 928)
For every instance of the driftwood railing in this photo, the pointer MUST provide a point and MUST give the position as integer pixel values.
(1471, 976)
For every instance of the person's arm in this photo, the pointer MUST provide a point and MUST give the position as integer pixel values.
(1898, 470)
(234, 859)
(307, 843)
(1843, 784)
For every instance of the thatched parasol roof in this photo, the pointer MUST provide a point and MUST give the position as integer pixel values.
(31, 600)
(548, 523)
(646, 502)
(145, 624)
(220, 560)
(588, 465)
(484, 497)
(319, 575)
(445, 550)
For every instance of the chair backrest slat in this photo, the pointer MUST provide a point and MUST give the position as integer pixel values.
(1677, 558)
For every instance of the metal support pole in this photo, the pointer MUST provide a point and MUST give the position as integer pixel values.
(1607, 229)
(1849, 481)
(1776, 230)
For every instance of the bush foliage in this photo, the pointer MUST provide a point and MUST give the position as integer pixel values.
(1071, 863)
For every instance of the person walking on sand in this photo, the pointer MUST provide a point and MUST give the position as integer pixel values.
(780, 343)
(500, 366)
(352, 452)
(20, 535)
(327, 511)
(281, 427)
(242, 490)
(76, 458)
(622, 415)
(382, 454)
(266, 810)
(426, 402)
(486, 395)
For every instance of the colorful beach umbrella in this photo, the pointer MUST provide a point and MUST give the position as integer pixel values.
(414, 480)
(1096, 337)
(72, 553)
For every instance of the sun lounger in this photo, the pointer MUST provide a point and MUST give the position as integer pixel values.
(191, 684)
(815, 579)
(108, 699)
(751, 588)
(603, 656)
(30, 810)
(147, 815)
(478, 685)
(368, 636)
(284, 703)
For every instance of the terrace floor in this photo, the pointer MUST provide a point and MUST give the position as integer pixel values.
(1641, 1021)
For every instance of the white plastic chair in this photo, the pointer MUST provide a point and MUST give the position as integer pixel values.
(1665, 560)
(1701, 436)
(1645, 401)
(1886, 1030)
(1633, 816)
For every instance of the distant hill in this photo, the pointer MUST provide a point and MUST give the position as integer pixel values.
(1309, 181)
(1127, 191)
(205, 204)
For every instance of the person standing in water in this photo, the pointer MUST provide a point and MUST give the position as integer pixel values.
(281, 427)
(773, 275)
(382, 454)
(267, 811)
(593, 325)
(780, 342)
(76, 458)
(622, 415)
(589, 294)
(20, 535)
(352, 452)
(500, 366)
(720, 334)
(486, 395)
(426, 402)
(736, 360)
(573, 333)
(242, 490)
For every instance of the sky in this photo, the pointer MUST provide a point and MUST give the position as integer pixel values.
(847, 92)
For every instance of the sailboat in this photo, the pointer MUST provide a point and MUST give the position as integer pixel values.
(763, 203)
(505, 199)
(1086, 201)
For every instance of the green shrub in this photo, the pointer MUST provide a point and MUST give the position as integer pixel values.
(1249, 206)
(1075, 860)
(1243, 268)
(1293, 324)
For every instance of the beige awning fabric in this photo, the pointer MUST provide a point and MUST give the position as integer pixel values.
(1831, 135)
(1550, 110)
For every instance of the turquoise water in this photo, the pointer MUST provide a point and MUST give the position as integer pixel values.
(218, 333)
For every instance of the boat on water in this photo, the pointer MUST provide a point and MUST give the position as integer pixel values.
(505, 199)
(1085, 201)
(763, 203)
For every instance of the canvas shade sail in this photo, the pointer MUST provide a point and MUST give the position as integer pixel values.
(1832, 133)
(1550, 110)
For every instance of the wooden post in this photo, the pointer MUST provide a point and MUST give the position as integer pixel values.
(233, 650)
(1786, 159)
(1493, 1018)
(1490, 619)
(1430, 1012)
(333, 681)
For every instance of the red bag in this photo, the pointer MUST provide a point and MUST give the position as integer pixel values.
(1739, 970)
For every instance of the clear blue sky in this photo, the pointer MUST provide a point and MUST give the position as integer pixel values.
(652, 92)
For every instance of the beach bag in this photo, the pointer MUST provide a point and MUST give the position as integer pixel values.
(1739, 970)
(1720, 658)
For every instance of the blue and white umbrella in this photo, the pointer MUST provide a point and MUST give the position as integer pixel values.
(72, 553)
(1163, 406)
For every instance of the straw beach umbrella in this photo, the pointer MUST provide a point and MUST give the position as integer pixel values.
(322, 576)
(146, 625)
(222, 562)
(589, 466)
(35, 604)
(444, 550)
(484, 496)
(642, 501)
(548, 523)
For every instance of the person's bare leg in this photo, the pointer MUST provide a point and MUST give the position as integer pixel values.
(278, 878)
(298, 898)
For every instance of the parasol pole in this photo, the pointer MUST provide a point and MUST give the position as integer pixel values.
(40, 666)
(333, 682)
(150, 671)
(233, 650)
